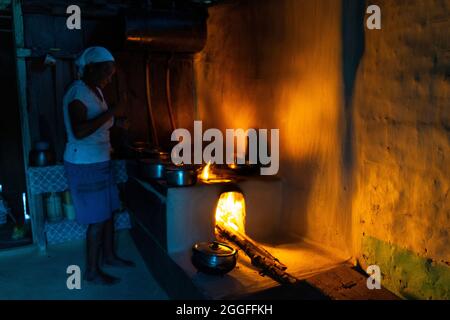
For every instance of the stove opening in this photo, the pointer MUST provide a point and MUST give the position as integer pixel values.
(230, 212)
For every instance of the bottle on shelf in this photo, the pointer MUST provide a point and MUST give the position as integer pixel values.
(54, 207)
(4, 210)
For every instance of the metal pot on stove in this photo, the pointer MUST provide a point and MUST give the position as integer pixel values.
(152, 169)
(143, 150)
(181, 176)
(42, 155)
(214, 258)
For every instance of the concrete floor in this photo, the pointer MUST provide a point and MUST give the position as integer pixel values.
(26, 274)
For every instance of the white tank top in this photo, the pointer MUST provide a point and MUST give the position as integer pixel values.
(95, 147)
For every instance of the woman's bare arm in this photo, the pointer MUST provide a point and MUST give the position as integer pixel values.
(81, 126)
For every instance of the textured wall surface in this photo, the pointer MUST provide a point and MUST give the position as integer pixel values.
(277, 64)
(282, 64)
(402, 127)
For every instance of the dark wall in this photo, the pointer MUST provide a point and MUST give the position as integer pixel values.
(47, 34)
(12, 176)
(46, 84)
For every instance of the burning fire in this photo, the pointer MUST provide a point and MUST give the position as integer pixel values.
(208, 177)
(230, 211)
(206, 172)
(230, 226)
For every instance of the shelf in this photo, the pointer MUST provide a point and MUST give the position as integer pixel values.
(53, 178)
(69, 230)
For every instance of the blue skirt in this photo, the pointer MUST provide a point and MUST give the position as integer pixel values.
(94, 192)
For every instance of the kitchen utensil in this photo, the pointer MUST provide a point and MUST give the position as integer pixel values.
(152, 169)
(137, 149)
(41, 155)
(4, 210)
(143, 150)
(214, 258)
(181, 176)
(246, 169)
(149, 102)
(69, 211)
(169, 94)
(54, 207)
(140, 145)
(67, 204)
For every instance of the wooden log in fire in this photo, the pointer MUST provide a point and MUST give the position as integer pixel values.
(263, 252)
(267, 265)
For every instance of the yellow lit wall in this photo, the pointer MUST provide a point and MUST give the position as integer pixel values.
(277, 64)
(401, 205)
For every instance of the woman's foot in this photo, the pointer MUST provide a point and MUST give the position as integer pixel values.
(99, 277)
(118, 262)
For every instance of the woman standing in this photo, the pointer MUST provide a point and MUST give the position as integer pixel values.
(87, 160)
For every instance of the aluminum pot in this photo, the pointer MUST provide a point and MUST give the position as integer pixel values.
(142, 150)
(152, 169)
(214, 258)
(246, 169)
(181, 176)
(41, 155)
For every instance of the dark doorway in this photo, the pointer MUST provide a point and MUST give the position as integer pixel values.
(13, 231)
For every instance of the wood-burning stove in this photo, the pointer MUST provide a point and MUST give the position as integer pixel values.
(168, 221)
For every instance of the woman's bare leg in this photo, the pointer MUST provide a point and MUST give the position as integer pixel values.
(94, 241)
(109, 255)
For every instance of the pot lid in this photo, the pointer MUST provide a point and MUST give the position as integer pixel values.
(42, 146)
(214, 248)
(154, 161)
(184, 167)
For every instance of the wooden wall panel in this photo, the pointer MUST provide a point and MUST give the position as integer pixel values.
(39, 31)
(182, 90)
(47, 84)
(131, 91)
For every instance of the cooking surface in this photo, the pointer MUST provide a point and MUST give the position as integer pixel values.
(161, 186)
(303, 260)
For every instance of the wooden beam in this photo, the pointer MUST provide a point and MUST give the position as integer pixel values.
(23, 52)
(4, 4)
(35, 202)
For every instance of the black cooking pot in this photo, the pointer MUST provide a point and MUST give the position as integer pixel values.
(214, 258)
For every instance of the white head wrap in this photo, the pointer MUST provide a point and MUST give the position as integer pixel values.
(92, 55)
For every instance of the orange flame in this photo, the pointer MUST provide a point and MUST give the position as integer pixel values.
(232, 166)
(206, 172)
(230, 211)
(208, 177)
